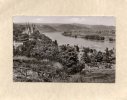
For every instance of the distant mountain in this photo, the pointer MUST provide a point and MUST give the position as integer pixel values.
(46, 28)
(101, 27)
(70, 27)
(53, 27)
(74, 27)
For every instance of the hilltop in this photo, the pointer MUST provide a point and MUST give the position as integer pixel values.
(75, 27)
(55, 27)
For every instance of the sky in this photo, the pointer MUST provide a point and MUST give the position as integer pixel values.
(91, 20)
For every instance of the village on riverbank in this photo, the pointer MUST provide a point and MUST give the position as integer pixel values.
(37, 58)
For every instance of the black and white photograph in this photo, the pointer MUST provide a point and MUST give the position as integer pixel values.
(64, 49)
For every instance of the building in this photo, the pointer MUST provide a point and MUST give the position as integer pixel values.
(17, 44)
(26, 35)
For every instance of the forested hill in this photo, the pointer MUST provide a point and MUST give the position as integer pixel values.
(46, 28)
(54, 27)
(70, 27)
(74, 27)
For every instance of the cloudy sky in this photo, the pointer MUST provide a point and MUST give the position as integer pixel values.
(92, 20)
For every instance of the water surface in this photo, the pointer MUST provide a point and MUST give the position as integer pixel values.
(61, 39)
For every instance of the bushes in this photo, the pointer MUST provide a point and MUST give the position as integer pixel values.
(45, 48)
(111, 39)
(94, 37)
(39, 47)
(39, 71)
(91, 56)
(68, 55)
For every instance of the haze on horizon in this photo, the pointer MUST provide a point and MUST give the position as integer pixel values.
(90, 20)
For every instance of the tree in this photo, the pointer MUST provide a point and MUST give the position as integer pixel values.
(86, 58)
(99, 56)
(56, 42)
(68, 56)
(45, 48)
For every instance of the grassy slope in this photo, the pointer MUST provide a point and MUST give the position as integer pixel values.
(50, 73)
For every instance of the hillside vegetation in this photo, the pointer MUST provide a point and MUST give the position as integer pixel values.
(43, 60)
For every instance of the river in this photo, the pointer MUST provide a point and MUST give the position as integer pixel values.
(61, 39)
